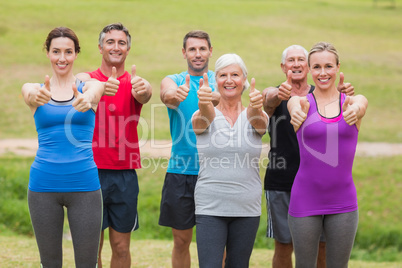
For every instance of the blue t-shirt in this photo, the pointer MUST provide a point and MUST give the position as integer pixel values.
(64, 160)
(184, 155)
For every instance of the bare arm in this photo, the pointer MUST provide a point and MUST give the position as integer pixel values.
(206, 113)
(255, 115)
(36, 95)
(141, 88)
(83, 77)
(271, 100)
(274, 96)
(172, 95)
(92, 92)
(354, 108)
(298, 108)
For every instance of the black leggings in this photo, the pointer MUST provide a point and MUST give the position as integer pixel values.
(236, 233)
(339, 230)
(84, 212)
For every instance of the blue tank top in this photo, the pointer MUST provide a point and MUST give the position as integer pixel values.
(184, 155)
(64, 160)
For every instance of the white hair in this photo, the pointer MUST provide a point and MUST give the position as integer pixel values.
(230, 59)
(285, 52)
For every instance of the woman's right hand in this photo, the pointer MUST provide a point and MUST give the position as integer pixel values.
(298, 108)
(40, 95)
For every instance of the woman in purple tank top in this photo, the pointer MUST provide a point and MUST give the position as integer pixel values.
(323, 196)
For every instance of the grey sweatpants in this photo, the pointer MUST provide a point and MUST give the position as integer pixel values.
(339, 230)
(84, 212)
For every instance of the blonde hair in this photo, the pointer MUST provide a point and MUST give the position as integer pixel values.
(323, 46)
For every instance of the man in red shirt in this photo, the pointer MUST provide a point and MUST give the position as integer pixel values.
(115, 141)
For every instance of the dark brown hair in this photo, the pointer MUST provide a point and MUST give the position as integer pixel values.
(196, 34)
(62, 32)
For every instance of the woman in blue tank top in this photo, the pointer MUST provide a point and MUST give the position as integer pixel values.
(323, 196)
(64, 173)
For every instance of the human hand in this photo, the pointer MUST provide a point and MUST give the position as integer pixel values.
(182, 91)
(350, 111)
(204, 92)
(81, 102)
(286, 87)
(346, 88)
(112, 84)
(42, 95)
(137, 83)
(256, 98)
(299, 113)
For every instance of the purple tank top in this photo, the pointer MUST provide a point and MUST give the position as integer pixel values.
(324, 183)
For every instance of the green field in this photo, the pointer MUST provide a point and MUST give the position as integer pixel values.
(379, 236)
(366, 35)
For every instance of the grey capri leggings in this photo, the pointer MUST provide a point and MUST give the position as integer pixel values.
(84, 212)
(339, 230)
(236, 233)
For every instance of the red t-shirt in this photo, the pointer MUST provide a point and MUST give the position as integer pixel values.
(115, 141)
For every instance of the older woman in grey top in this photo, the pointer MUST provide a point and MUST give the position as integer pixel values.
(228, 190)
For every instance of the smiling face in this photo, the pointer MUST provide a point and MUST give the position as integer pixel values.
(62, 55)
(114, 48)
(230, 81)
(197, 53)
(296, 61)
(323, 69)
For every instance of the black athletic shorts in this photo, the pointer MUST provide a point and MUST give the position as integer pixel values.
(120, 196)
(177, 208)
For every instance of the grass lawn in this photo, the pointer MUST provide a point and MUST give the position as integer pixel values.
(378, 182)
(21, 251)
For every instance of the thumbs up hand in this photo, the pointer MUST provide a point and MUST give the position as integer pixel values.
(112, 84)
(350, 111)
(42, 95)
(256, 98)
(204, 92)
(346, 88)
(286, 87)
(299, 111)
(81, 102)
(138, 84)
(182, 91)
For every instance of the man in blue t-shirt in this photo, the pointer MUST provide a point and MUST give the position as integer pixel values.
(179, 93)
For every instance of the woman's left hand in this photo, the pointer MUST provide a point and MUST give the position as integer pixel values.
(256, 98)
(350, 111)
(81, 102)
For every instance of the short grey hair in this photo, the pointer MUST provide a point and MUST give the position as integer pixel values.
(229, 59)
(117, 27)
(285, 52)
